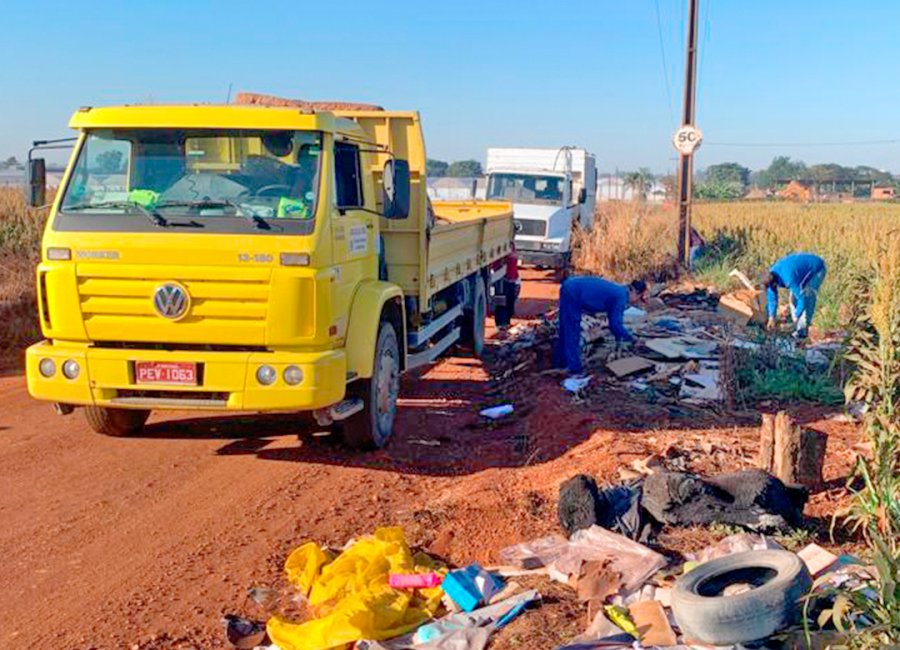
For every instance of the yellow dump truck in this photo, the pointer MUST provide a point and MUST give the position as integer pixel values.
(260, 258)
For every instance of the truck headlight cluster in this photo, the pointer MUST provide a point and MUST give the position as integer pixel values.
(266, 375)
(293, 375)
(71, 369)
(47, 367)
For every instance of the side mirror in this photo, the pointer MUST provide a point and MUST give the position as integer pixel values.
(582, 195)
(396, 189)
(36, 183)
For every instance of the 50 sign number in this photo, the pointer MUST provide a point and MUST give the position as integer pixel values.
(687, 139)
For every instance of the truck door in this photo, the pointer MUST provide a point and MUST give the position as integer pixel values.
(353, 231)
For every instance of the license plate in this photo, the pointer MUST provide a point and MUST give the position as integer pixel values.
(182, 373)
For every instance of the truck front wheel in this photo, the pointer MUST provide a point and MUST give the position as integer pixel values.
(116, 422)
(473, 321)
(372, 427)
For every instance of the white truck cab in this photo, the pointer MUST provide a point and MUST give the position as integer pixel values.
(551, 190)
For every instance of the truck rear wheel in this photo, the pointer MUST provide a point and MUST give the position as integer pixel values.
(372, 427)
(473, 321)
(116, 422)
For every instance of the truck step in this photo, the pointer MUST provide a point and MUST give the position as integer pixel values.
(340, 411)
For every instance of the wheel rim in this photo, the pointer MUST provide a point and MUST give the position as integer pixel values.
(387, 387)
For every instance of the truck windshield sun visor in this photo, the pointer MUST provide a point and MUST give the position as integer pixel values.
(226, 180)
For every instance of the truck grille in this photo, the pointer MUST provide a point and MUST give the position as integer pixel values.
(117, 303)
(531, 227)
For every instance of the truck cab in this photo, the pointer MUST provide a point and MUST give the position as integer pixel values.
(253, 258)
(552, 192)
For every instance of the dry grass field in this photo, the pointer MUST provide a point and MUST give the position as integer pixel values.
(20, 237)
(630, 240)
(633, 240)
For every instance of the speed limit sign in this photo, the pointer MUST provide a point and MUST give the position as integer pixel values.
(687, 139)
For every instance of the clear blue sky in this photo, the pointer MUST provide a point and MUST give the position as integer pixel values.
(482, 73)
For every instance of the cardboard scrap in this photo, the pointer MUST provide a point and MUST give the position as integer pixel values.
(744, 306)
(629, 366)
(683, 347)
(817, 559)
(597, 582)
(652, 623)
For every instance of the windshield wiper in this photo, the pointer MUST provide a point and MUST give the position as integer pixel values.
(257, 220)
(154, 217)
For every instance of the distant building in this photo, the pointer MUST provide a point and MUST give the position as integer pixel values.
(883, 193)
(614, 188)
(446, 188)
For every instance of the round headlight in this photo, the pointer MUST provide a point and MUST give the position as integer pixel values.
(293, 375)
(266, 375)
(71, 369)
(47, 367)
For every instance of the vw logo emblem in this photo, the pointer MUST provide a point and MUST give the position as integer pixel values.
(171, 301)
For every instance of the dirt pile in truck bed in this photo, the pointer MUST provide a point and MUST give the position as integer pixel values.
(258, 99)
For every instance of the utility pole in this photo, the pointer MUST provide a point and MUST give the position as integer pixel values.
(687, 139)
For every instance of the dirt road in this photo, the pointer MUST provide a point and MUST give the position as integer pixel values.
(146, 542)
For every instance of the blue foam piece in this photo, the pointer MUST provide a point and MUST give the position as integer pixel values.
(460, 585)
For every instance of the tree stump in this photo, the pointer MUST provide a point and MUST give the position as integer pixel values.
(793, 454)
(767, 442)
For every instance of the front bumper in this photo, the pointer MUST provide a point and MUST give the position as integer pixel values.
(227, 379)
(554, 260)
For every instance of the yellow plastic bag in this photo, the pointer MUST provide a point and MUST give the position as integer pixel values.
(350, 594)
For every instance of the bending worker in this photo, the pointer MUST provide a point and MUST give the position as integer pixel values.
(590, 295)
(802, 274)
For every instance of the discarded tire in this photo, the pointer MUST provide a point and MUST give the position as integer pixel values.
(778, 580)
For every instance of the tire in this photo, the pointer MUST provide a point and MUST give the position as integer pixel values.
(704, 614)
(372, 427)
(116, 422)
(473, 321)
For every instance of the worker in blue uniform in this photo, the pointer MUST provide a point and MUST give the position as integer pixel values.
(802, 275)
(592, 295)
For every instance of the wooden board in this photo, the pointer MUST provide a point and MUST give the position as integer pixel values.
(682, 347)
(629, 366)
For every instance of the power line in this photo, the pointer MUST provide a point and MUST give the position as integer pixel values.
(846, 143)
(665, 66)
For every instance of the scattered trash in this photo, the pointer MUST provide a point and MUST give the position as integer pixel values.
(752, 499)
(463, 631)
(497, 412)
(424, 442)
(428, 580)
(817, 559)
(633, 314)
(629, 366)
(683, 347)
(243, 633)
(653, 627)
(738, 543)
(339, 588)
(471, 586)
(576, 384)
(634, 562)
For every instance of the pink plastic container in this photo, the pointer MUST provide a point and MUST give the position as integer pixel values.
(414, 580)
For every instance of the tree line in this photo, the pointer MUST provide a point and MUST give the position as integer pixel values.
(733, 180)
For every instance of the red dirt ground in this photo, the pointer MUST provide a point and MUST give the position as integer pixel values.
(146, 542)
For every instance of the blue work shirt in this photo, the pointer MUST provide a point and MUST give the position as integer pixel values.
(594, 295)
(794, 272)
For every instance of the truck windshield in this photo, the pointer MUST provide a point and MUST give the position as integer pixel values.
(209, 179)
(526, 188)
